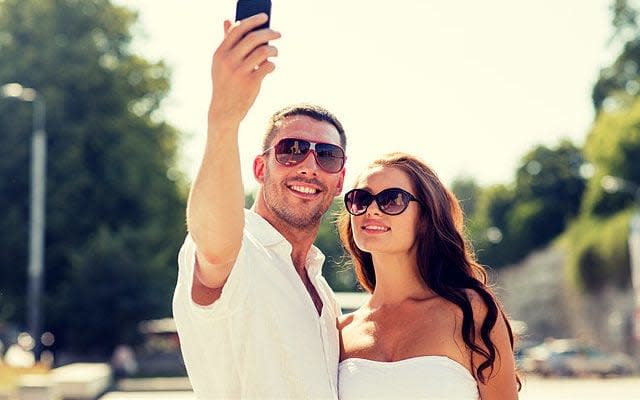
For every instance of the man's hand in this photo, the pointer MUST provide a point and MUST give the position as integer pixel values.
(239, 65)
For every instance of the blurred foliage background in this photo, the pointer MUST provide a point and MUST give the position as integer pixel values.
(116, 200)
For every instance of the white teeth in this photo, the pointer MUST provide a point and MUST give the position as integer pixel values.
(376, 228)
(304, 189)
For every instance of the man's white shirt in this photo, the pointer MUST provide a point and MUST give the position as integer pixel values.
(263, 337)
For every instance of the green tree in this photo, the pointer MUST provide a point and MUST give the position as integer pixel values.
(598, 255)
(549, 189)
(115, 202)
(511, 221)
(619, 83)
(597, 240)
(467, 191)
(489, 224)
(613, 147)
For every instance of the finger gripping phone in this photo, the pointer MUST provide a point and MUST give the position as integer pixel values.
(247, 8)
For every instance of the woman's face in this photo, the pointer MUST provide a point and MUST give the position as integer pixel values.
(377, 232)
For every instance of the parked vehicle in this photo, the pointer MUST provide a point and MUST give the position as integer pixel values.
(569, 357)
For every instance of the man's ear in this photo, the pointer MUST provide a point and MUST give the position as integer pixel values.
(259, 167)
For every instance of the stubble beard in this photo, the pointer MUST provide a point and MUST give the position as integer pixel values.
(301, 218)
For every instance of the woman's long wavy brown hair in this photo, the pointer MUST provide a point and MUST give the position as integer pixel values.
(445, 260)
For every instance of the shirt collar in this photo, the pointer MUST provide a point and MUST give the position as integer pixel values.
(269, 236)
(315, 260)
(265, 233)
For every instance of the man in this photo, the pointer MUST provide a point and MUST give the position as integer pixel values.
(255, 317)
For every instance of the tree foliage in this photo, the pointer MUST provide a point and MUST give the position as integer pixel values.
(115, 202)
(466, 190)
(619, 83)
(488, 223)
(598, 253)
(613, 147)
(511, 221)
(597, 241)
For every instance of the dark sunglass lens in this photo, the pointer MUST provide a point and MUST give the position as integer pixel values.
(291, 151)
(392, 201)
(357, 201)
(330, 157)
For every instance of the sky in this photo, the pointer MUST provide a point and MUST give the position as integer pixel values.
(468, 86)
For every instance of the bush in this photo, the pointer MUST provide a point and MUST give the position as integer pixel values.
(598, 252)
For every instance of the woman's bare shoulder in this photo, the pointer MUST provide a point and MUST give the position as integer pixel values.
(478, 304)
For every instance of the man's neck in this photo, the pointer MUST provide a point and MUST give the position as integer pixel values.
(301, 239)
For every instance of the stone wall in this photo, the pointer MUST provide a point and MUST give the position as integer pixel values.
(536, 291)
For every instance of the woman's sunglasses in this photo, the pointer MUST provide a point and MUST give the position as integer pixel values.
(391, 201)
(290, 152)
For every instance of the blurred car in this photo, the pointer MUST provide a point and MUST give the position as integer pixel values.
(570, 357)
(520, 352)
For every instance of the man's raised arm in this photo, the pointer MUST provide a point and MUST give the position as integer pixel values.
(215, 215)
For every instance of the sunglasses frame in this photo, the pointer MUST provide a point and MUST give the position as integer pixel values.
(312, 148)
(376, 199)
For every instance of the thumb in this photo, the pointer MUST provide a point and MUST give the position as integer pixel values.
(227, 26)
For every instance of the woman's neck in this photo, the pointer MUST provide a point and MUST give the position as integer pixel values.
(397, 279)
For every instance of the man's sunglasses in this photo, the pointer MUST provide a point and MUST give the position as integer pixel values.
(391, 201)
(290, 152)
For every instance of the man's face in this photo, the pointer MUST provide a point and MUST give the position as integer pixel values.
(299, 194)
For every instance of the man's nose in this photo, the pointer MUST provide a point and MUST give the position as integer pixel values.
(309, 166)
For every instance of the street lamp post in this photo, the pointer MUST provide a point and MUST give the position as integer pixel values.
(634, 250)
(37, 209)
(612, 184)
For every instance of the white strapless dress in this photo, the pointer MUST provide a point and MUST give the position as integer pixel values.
(423, 377)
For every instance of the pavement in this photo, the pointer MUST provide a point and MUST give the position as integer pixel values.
(165, 395)
(177, 388)
(534, 388)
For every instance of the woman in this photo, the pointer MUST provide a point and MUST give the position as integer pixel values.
(432, 328)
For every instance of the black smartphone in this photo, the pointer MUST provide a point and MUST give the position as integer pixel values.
(247, 8)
